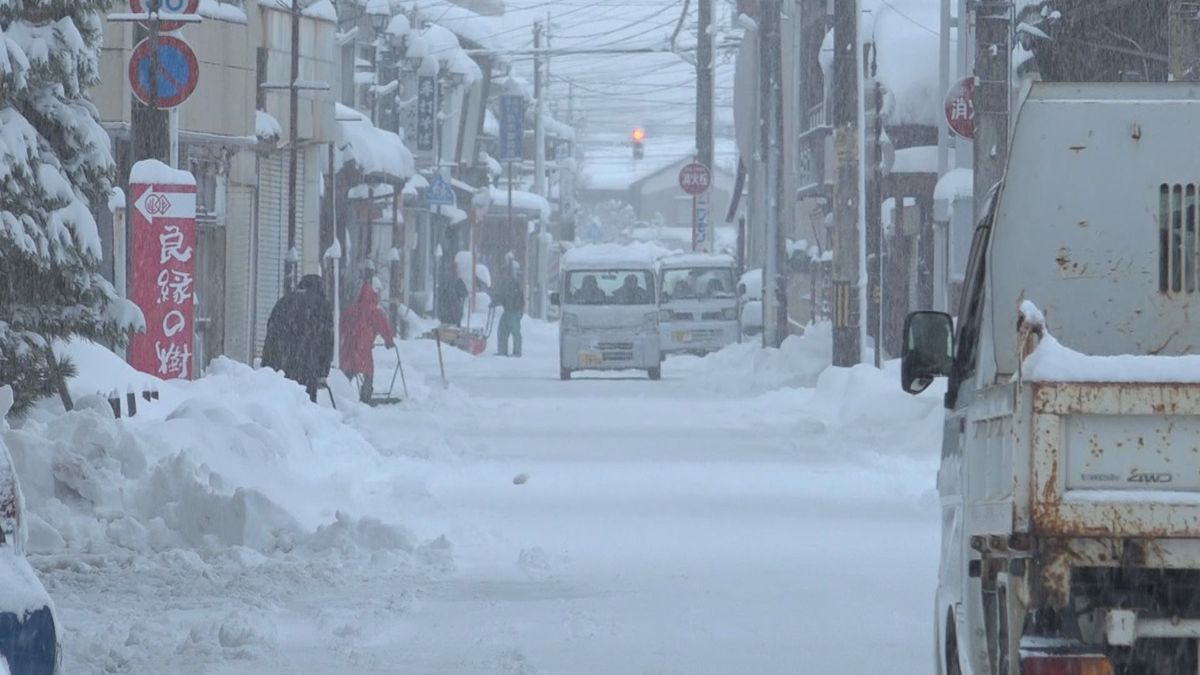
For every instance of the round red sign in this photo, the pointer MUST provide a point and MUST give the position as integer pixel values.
(177, 76)
(960, 108)
(167, 7)
(695, 178)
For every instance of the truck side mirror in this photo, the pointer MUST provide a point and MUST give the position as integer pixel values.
(554, 299)
(928, 350)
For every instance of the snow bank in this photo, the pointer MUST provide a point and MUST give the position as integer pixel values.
(747, 367)
(865, 396)
(237, 459)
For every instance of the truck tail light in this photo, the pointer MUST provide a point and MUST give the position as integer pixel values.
(1066, 665)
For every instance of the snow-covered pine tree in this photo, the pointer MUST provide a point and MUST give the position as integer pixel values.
(56, 170)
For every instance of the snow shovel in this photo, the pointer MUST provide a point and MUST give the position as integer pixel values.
(324, 384)
(389, 398)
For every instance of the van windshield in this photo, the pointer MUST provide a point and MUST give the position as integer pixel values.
(697, 283)
(610, 287)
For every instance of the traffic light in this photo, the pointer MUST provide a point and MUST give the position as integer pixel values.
(639, 150)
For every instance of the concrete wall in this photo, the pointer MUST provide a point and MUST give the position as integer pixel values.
(318, 63)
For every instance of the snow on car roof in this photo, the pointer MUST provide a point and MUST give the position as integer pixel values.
(696, 260)
(602, 256)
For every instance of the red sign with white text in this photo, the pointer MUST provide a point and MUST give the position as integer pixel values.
(960, 108)
(164, 270)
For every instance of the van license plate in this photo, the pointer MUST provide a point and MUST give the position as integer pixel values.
(591, 359)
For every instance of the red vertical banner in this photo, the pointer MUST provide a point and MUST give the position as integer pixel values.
(163, 275)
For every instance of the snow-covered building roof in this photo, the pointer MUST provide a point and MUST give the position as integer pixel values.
(443, 43)
(463, 22)
(609, 256)
(608, 165)
(525, 201)
(322, 10)
(905, 33)
(373, 150)
(921, 159)
(956, 184)
(222, 11)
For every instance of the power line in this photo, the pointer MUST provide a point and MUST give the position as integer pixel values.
(631, 24)
(911, 20)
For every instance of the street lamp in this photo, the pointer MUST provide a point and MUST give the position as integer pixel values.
(379, 12)
(418, 49)
(398, 28)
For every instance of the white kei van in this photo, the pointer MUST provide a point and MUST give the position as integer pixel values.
(609, 309)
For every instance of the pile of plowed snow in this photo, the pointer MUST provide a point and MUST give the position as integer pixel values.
(238, 458)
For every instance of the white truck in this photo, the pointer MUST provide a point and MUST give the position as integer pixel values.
(1070, 484)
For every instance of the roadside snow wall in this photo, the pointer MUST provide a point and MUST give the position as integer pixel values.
(239, 458)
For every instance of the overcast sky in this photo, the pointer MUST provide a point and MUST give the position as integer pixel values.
(613, 94)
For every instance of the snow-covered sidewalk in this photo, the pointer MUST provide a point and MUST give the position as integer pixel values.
(752, 512)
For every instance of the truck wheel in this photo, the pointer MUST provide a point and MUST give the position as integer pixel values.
(564, 374)
(655, 373)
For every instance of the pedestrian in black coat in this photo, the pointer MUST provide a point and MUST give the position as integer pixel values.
(300, 335)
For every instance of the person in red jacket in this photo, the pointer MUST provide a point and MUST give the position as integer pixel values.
(361, 322)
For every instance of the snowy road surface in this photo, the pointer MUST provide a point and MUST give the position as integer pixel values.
(709, 523)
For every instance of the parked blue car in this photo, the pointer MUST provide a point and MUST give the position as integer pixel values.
(28, 630)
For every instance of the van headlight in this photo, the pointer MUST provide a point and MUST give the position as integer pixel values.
(665, 315)
(650, 322)
(729, 314)
(570, 323)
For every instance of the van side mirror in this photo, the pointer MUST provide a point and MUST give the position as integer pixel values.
(554, 299)
(928, 350)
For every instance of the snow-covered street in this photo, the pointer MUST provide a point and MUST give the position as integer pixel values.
(723, 520)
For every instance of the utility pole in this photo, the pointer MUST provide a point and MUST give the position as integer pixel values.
(539, 172)
(993, 72)
(704, 116)
(539, 130)
(847, 314)
(704, 85)
(291, 263)
(775, 322)
(1183, 48)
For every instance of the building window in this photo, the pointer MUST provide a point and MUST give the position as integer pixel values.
(1179, 247)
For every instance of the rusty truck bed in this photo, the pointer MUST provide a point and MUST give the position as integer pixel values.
(1115, 460)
